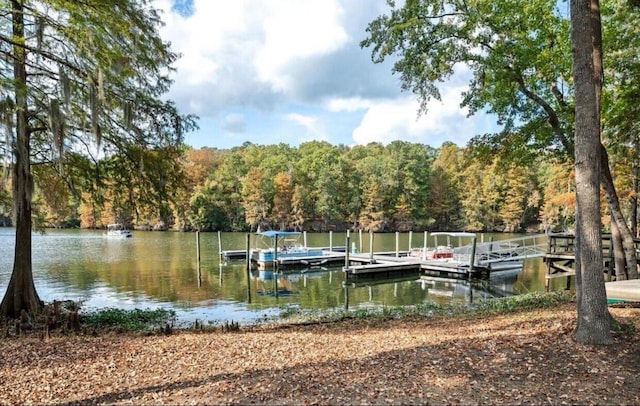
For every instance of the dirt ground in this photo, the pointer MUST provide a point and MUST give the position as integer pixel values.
(527, 357)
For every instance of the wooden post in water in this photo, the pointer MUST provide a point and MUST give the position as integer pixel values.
(371, 247)
(275, 254)
(472, 260)
(360, 232)
(198, 248)
(424, 249)
(410, 239)
(397, 244)
(490, 252)
(346, 253)
(305, 239)
(248, 268)
(330, 241)
(220, 244)
(198, 257)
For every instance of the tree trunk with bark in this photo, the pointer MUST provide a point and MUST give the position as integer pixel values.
(617, 216)
(593, 324)
(618, 252)
(21, 292)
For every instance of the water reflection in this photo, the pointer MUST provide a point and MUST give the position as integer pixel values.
(155, 269)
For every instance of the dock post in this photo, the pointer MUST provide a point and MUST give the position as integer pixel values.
(490, 253)
(220, 244)
(424, 249)
(248, 268)
(410, 240)
(305, 239)
(198, 249)
(397, 244)
(346, 253)
(330, 241)
(360, 232)
(275, 255)
(472, 260)
(371, 246)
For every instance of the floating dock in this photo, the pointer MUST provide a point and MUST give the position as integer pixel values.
(472, 260)
(623, 291)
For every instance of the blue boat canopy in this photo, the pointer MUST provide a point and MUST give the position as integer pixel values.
(275, 233)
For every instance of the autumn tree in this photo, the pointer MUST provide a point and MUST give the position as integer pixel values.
(282, 200)
(86, 77)
(445, 188)
(256, 207)
(559, 207)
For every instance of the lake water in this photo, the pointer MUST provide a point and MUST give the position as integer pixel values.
(160, 270)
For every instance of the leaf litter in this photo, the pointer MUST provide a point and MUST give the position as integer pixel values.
(526, 357)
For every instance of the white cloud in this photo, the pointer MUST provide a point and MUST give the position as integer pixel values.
(349, 104)
(233, 123)
(271, 71)
(295, 30)
(398, 119)
(313, 126)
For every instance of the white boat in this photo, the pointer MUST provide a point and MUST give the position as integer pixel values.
(287, 247)
(117, 230)
(495, 256)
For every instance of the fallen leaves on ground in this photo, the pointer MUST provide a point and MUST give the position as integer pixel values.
(522, 357)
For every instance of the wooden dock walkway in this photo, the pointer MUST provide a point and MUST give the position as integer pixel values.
(560, 257)
(368, 266)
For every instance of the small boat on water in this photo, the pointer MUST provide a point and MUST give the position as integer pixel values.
(286, 247)
(496, 256)
(117, 231)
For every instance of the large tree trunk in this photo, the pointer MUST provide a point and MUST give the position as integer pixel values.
(593, 325)
(634, 195)
(614, 207)
(21, 293)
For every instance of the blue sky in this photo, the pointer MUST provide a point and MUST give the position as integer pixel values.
(290, 71)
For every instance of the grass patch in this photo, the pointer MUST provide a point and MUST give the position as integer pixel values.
(130, 320)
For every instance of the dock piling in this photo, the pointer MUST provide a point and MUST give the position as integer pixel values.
(410, 240)
(346, 252)
(198, 249)
(330, 241)
(248, 268)
(371, 247)
(424, 249)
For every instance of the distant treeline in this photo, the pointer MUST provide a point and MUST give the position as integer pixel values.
(314, 187)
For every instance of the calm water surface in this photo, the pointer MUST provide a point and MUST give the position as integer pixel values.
(160, 270)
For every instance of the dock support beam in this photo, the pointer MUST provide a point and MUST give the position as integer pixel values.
(346, 252)
(472, 260)
(371, 247)
(424, 249)
(248, 268)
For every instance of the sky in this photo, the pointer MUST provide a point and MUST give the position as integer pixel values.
(291, 71)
